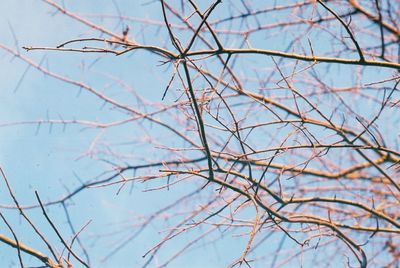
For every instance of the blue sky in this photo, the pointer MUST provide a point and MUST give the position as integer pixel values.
(54, 159)
(49, 158)
(40, 159)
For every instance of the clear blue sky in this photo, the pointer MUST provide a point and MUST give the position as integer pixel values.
(54, 159)
(47, 158)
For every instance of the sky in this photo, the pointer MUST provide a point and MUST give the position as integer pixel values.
(54, 159)
(47, 160)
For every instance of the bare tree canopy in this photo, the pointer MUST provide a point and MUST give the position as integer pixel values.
(201, 133)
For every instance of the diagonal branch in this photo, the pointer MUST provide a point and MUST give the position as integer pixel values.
(360, 53)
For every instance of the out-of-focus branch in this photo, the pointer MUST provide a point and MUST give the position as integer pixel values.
(267, 107)
(20, 246)
(356, 5)
(348, 30)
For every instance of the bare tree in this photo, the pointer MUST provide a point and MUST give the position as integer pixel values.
(275, 123)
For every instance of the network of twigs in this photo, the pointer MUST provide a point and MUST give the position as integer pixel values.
(272, 144)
